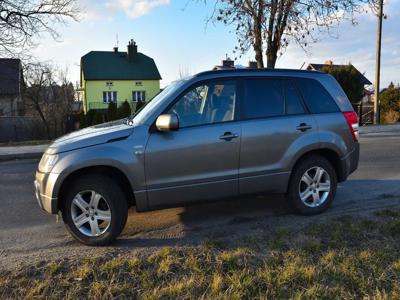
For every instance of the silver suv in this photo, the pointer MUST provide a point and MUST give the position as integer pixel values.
(218, 134)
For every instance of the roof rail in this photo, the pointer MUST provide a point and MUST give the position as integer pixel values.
(252, 70)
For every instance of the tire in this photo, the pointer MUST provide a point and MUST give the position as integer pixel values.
(110, 210)
(302, 195)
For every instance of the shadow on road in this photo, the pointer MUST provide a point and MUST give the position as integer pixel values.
(196, 223)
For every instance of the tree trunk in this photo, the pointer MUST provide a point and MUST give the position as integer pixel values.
(271, 54)
(45, 123)
(259, 56)
(257, 45)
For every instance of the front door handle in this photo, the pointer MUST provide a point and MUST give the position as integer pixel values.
(227, 136)
(303, 127)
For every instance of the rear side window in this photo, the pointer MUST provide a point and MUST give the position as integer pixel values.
(263, 98)
(294, 105)
(316, 97)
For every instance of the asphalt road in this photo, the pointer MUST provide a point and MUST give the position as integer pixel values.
(28, 234)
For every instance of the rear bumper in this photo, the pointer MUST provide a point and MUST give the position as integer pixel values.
(354, 157)
(45, 193)
(350, 162)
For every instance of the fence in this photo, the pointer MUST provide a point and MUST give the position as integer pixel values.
(365, 113)
(21, 129)
(102, 105)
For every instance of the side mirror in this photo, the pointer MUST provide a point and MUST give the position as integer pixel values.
(167, 122)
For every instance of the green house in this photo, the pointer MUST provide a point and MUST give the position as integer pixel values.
(115, 76)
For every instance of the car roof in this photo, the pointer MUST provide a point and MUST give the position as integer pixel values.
(328, 81)
(260, 72)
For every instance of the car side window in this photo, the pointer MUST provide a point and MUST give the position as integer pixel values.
(316, 97)
(207, 103)
(294, 105)
(263, 98)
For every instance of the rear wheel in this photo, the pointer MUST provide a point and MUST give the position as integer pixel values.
(312, 186)
(94, 210)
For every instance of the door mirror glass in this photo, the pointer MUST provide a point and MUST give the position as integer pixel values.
(167, 122)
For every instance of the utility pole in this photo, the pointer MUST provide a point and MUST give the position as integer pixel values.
(377, 104)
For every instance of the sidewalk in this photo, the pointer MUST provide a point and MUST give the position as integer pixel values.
(21, 152)
(379, 128)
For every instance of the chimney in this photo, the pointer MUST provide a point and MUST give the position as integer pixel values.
(132, 50)
(115, 49)
(252, 65)
(228, 63)
(328, 62)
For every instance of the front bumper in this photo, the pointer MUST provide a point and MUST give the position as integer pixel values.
(45, 191)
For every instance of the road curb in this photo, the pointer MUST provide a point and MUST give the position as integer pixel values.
(15, 156)
(379, 129)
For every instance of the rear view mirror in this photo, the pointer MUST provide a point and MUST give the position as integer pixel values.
(167, 122)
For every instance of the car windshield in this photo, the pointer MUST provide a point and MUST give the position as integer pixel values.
(147, 110)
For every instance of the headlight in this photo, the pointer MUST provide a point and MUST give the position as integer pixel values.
(47, 162)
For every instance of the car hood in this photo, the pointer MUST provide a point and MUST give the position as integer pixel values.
(95, 135)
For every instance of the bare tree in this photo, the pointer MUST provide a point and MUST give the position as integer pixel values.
(268, 26)
(37, 77)
(64, 95)
(48, 95)
(23, 20)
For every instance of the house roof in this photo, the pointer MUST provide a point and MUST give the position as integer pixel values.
(10, 76)
(109, 65)
(319, 67)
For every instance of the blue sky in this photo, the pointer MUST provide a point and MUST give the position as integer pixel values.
(175, 34)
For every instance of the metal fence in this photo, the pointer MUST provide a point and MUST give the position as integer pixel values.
(365, 113)
(21, 129)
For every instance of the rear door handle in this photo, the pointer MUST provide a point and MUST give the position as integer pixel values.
(303, 127)
(227, 136)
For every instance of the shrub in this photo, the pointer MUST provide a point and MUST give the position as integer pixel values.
(390, 104)
(139, 105)
(82, 120)
(124, 110)
(112, 111)
(98, 117)
(90, 116)
(349, 79)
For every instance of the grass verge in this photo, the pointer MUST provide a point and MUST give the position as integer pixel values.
(348, 258)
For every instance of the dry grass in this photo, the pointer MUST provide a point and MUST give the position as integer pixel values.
(344, 259)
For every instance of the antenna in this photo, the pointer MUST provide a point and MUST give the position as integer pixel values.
(116, 37)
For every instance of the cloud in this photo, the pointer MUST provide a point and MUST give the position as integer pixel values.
(136, 8)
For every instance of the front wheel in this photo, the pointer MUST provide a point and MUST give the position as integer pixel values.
(312, 186)
(94, 210)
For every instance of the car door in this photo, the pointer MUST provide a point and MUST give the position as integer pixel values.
(200, 160)
(275, 125)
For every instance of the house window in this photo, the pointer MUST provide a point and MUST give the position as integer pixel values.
(138, 83)
(109, 83)
(139, 96)
(109, 97)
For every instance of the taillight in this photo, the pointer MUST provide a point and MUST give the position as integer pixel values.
(352, 120)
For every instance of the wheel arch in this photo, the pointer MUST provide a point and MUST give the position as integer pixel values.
(331, 155)
(112, 172)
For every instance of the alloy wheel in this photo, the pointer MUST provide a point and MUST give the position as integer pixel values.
(90, 213)
(314, 186)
